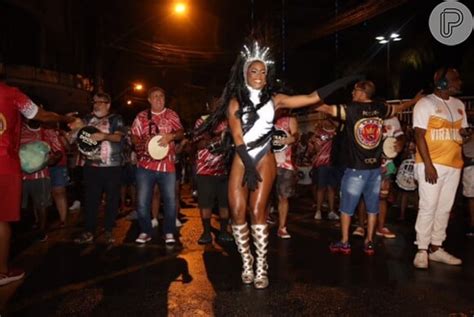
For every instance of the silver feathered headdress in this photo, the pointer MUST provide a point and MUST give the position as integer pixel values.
(256, 53)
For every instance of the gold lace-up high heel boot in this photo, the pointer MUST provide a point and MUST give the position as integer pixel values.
(242, 239)
(260, 240)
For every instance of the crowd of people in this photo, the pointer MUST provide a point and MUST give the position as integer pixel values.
(245, 157)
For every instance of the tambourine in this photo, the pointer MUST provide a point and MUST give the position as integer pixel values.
(389, 147)
(155, 150)
(34, 156)
(85, 144)
(279, 134)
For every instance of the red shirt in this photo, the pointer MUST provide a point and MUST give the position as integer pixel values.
(60, 145)
(46, 135)
(206, 162)
(323, 141)
(13, 104)
(167, 121)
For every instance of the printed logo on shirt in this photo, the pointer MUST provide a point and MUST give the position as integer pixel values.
(3, 123)
(368, 132)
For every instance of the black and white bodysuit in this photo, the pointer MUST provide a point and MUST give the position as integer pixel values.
(258, 138)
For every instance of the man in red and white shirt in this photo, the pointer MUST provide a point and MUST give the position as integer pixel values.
(158, 120)
(286, 175)
(13, 105)
(212, 179)
(327, 175)
(37, 185)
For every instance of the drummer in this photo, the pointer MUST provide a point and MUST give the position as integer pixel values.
(13, 105)
(37, 185)
(102, 168)
(162, 121)
(392, 130)
(363, 120)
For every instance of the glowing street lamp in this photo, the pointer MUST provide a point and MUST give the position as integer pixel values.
(137, 87)
(394, 37)
(129, 102)
(180, 8)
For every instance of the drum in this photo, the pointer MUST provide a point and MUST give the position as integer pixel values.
(304, 175)
(405, 178)
(279, 134)
(155, 150)
(389, 147)
(85, 144)
(34, 156)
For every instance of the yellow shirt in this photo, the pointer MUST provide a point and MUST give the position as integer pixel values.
(442, 120)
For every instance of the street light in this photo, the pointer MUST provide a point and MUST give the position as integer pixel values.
(180, 8)
(135, 87)
(385, 40)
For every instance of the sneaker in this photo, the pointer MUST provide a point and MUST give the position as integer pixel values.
(85, 237)
(154, 223)
(282, 233)
(442, 256)
(75, 205)
(386, 233)
(369, 248)
(11, 276)
(359, 231)
(142, 238)
(109, 237)
(333, 216)
(42, 237)
(340, 247)
(470, 232)
(421, 259)
(169, 238)
(205, 238)
(317, 215)
(225, 237)
(178, 223)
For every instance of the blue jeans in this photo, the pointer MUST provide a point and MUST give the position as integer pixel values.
(146, 180)
(356, 183)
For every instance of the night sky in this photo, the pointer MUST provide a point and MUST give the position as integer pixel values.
(190, 55)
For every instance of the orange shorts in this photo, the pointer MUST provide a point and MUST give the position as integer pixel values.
(10, 187)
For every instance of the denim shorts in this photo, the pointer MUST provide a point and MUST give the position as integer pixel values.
(329, 176)
(285, 182)
(356, 183)
(59, 176)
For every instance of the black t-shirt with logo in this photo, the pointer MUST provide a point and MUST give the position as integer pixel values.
(363, 131)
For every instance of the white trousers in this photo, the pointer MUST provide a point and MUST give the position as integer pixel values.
(436, 201)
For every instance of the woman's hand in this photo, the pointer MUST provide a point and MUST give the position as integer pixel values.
(251, 175)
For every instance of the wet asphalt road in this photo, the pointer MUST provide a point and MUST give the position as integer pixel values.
(192, 280)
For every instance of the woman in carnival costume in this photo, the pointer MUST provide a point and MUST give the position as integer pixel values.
(249, 102)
